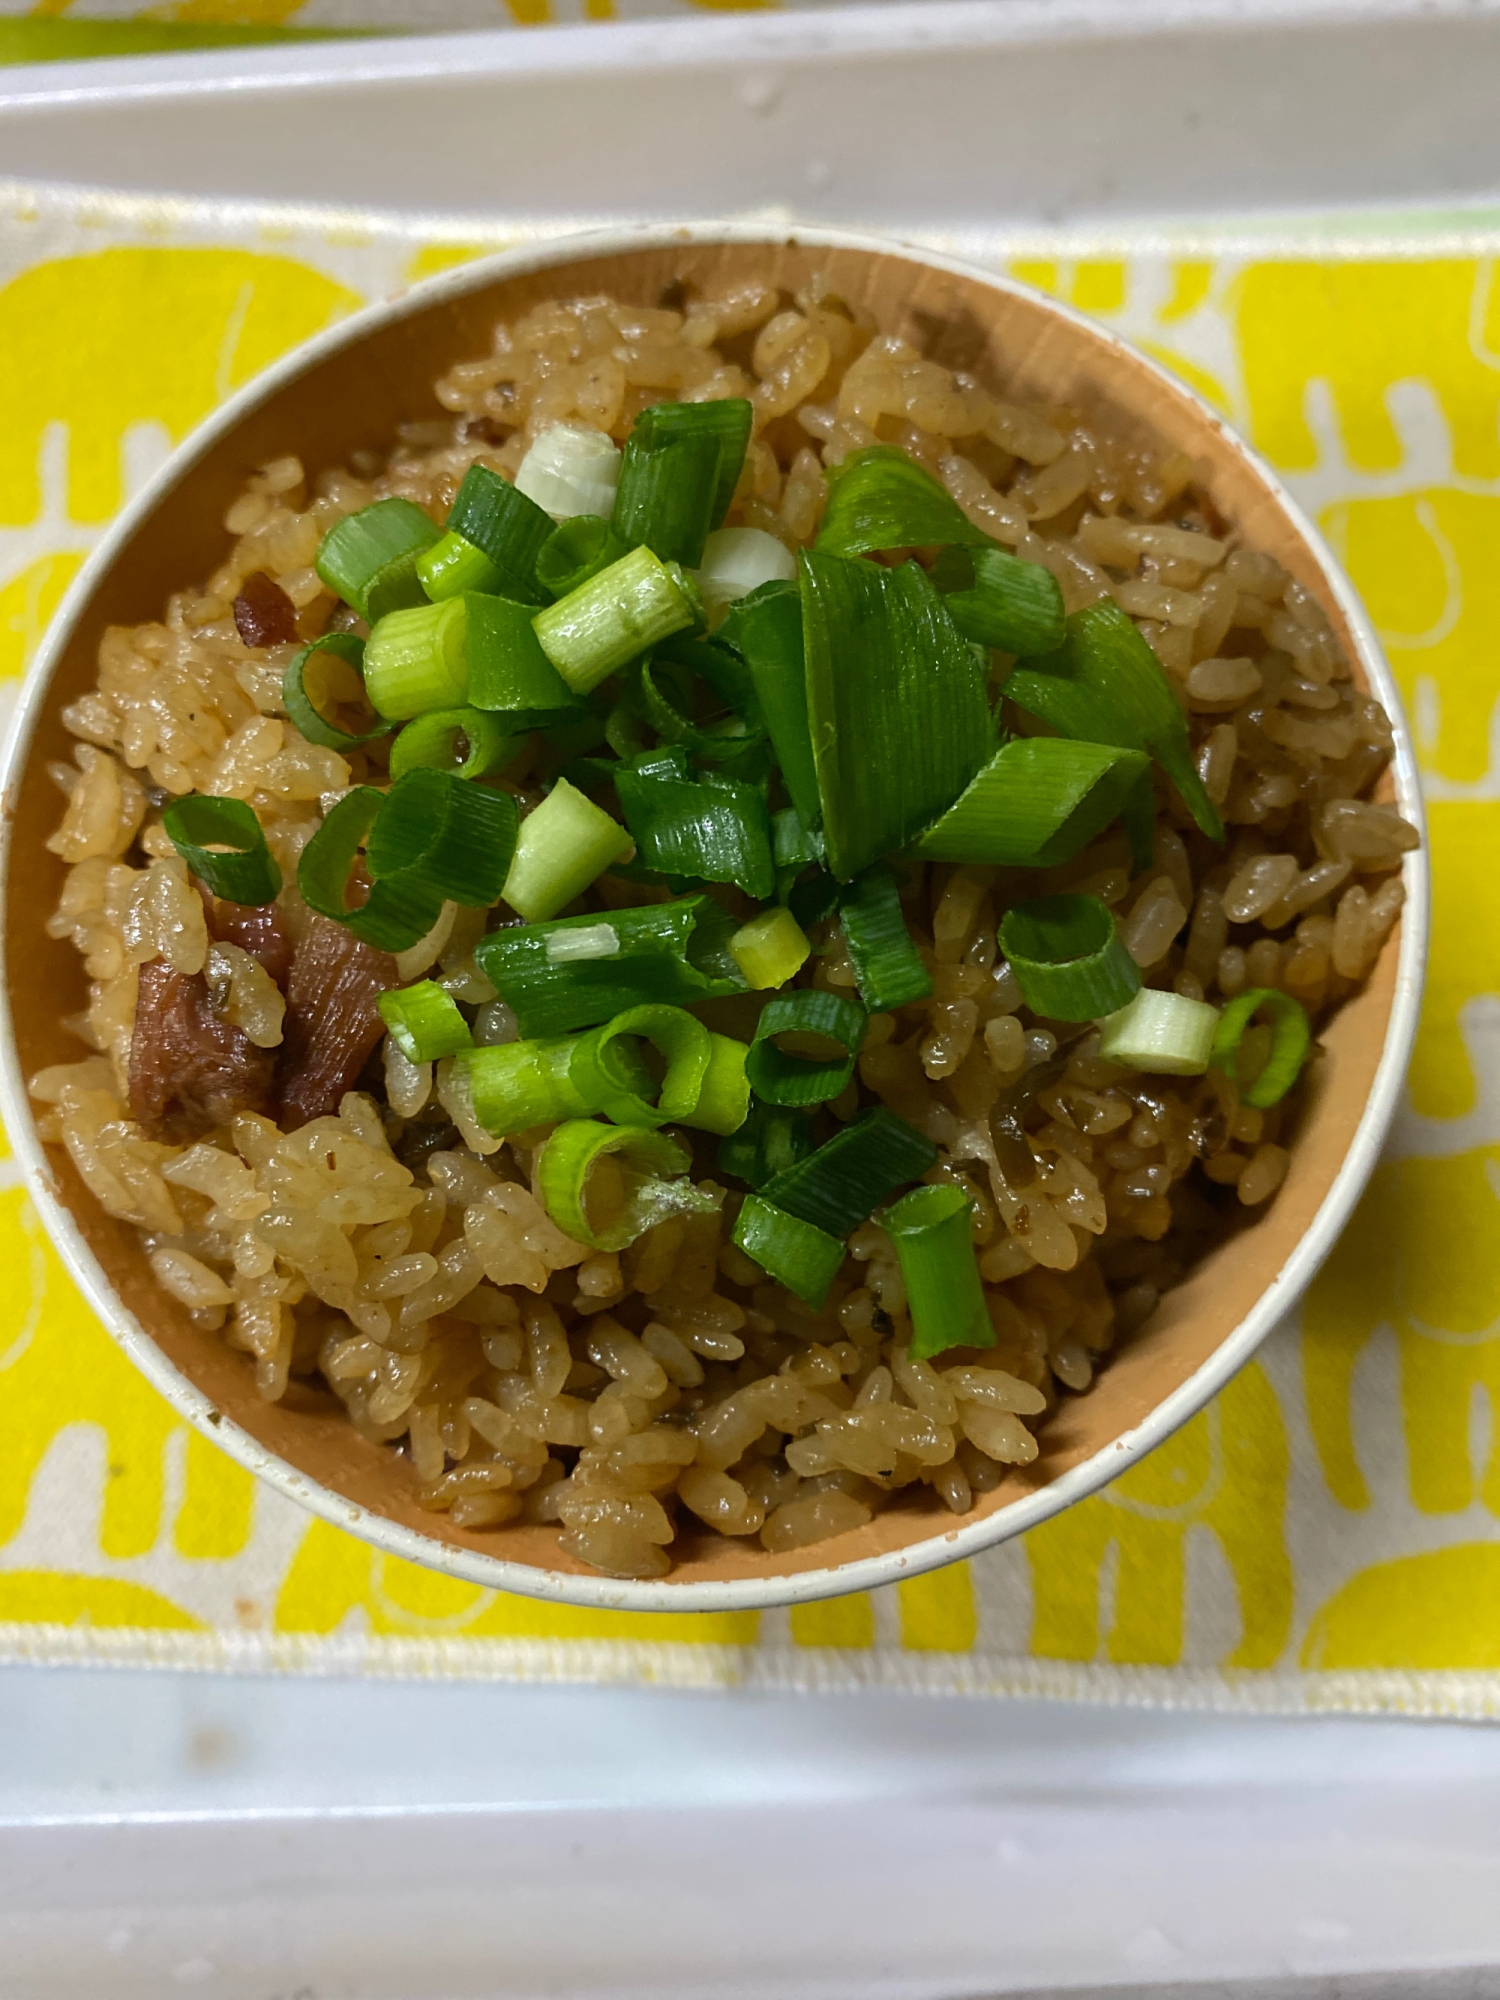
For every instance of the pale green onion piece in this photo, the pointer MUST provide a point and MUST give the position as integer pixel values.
(454, 565)
(424, 1022)
(724, 1101)
(466, 741)
(513, 1086)
(571, 469)
(599, 1074)
(1162, 1033)
(593, 941)
(739, 560)
(770, 949)
(415, 660)
(617, 615)
(562, 847)
(605, 1185)
(932, 1229)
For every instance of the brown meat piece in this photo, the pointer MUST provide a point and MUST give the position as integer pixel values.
(263, 613)
(257, 929)
(190, 1069)
(332, 1021)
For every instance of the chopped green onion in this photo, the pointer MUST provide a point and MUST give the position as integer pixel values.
(933, 1233)
(493, 519)
(1291, 1038)
(224, 845)
(728, 677)
(897, 705)
(577, 550)
(452, 837)
(881, 499)
(454, 566)
(564, 845)
(370, 558)
(1069, 959)
(509, 673)
(726, 419)
(605, 1184)
(621, 612)
(770, 949)
(795, 1253)
(788, 1076)
(303, 713)
(465, 741)
(765, 628)
(887, 965)
(712, 830)
(417, 660)
(793, 848)
(724, 1101)
(999, 600)
(1162, 1033)
(424, 1022)
(772, 1138)
(1105, 685)
(514, 1086)
(572, 469)
(840, 1185)
(396, 912)
(1037, 802)
(676, 951)
(679, 1038)
(666, 495)
(737, 561)
(566, 946)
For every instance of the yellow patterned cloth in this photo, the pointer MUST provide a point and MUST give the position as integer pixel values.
(1325, 1535)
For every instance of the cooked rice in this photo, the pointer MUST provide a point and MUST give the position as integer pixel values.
(399, 1253)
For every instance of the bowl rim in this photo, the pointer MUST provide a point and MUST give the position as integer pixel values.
(948, 1544)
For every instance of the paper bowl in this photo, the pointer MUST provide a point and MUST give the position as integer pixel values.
(349, 389)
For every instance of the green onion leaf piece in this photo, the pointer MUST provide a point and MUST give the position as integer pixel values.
(881, 499)
(724, 1101)
(577, 550)
(436, 832)
(1161, 1033)
(1291, 1040)
(424, 1022)
(562, 847)
(224, 845)
(417, 660)
(465, 741)
(770, 949)
(896, 702)
(676, 952)
(765, 629)
(772, 1138)
(713, 830)
(370, 558)
(728, 677)
(492, 516)
(679, 1038)
(304, 715)
(666, 495)
(795, 1253)
(783, 1076)
(682, 463)
(396, 912)
(618, 614)
(1069, 959)
(933, 1232)
(998, 600)
(604, 1185)
(1105, 685)
(887, 965)
(509, 673)
(1037, 802)
(840, 1185)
